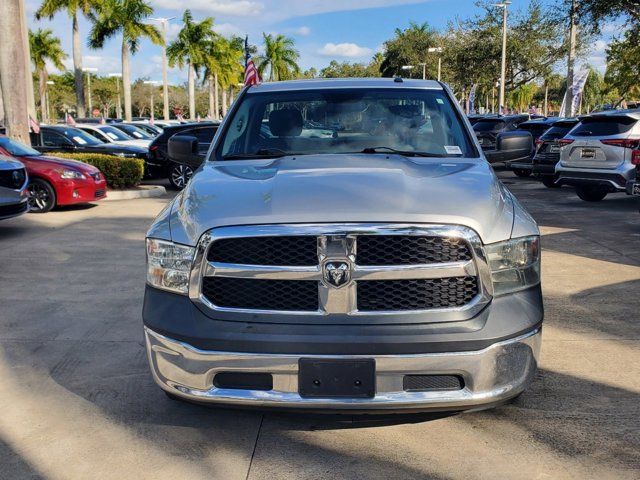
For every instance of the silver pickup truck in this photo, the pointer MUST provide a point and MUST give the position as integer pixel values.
(345, 246)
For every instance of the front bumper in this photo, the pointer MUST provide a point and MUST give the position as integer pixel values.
(491, 375)
(9, 210)
(81, 191)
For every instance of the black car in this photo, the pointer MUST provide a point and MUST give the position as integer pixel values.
(64, 138)
(134, 131)
(476, 117)
(500, 139)
(536, 127)
(548, 150)
(160, 165)
(153, 130)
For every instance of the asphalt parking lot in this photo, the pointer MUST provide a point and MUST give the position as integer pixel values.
(77, 399)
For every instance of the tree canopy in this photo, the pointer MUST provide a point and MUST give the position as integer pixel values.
(280, 57)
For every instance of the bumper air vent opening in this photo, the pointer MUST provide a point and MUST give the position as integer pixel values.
(243, 381)
(432, 383)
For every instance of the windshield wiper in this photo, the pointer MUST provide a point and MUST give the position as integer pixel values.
(405, 153)
(262, 153)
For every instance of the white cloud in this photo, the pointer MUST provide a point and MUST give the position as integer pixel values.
(104, 64)
(612, 28)
(350, 50)
(228, 29)
(241, 8)
(273, 10)
(598, 56)
(172, 30)
(303, 31)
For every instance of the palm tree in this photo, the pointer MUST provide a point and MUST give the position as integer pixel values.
(223, 68)
(48, 9)
(45, 47)
(280, 56)
(126, 17)
(191, 47)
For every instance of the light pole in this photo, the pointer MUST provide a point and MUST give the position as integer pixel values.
(503, 69)
(151, 83)
(165, 81)
(89, 70)
(424, 70)
(117, 76)
(437, 50)
(407, 68)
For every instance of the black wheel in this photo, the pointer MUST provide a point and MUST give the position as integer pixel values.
(179, 175)
(520, 172)
(42, 196)
(549, 181)
(591, 194)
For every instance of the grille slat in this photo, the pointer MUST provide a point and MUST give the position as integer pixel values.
(381, 295)
(287, 295)
(409, 250)
(281, 251)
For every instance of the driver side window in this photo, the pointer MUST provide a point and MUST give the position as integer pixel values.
(52, 139)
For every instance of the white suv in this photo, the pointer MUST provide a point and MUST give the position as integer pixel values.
(599, 155)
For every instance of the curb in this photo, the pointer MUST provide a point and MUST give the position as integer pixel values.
(143, 191)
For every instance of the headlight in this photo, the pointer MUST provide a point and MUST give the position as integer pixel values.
(125, 155)
(71, 174)
(514, 264)
(169, 265)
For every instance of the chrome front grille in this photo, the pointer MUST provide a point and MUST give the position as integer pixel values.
(354, 273)
(419, 294)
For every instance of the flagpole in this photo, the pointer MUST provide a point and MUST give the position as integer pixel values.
(246, 51)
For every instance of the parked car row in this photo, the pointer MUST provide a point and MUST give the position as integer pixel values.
(597, 154)
(134, 140)
(49, 181)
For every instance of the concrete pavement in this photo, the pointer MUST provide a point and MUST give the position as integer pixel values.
(77, 399)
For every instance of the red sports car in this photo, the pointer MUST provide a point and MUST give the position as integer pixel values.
(56, 181)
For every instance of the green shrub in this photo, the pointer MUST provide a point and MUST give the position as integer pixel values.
(119, 172)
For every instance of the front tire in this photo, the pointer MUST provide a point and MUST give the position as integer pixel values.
(42, 196)
(520, 172)
(549, 182)
(179, 175)
(591, 194)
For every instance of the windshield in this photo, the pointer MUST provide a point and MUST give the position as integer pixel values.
(488, 126)
(80, 137)
(556, 132)
(410, 122)
(17, 149)
(135, 132)
(115, 134)
(603, 126)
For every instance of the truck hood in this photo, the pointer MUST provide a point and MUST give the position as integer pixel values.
(347, 188)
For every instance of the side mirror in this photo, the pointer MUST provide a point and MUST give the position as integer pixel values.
(184, 149)
(514, 146)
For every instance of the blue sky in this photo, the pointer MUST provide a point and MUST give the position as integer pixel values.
(324, 30)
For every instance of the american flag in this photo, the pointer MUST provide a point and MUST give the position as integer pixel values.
(70, 120)
(251, 75)
(35, 126)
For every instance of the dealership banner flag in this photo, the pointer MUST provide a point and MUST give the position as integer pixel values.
(472, 98)
(579, 81)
